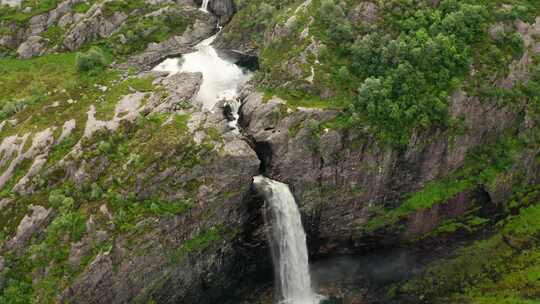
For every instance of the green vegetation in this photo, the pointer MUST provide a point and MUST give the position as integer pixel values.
(138, 32)
(252, 19)
(55, 35)
(501, 269)
(16, 14)
(119, 6)
(481, 169)
(129, 211)
(81, 7)
(392, 75)
(93, 61)
(30, 86)
(51, 251)
(198, 243)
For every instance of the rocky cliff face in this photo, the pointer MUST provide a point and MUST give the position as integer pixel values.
(118, 188)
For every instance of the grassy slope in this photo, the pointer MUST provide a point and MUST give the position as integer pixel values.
(46, 92)
(55, 79)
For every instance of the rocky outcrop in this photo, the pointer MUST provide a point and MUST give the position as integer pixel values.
(183, 87)
(94, 24)
(338, 177)
(223, 9)
(199, 251)
(28, 227)
(174, 46)
(28, 39)
(33, 46)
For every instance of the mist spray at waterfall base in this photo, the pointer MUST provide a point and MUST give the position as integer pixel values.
(287, 243)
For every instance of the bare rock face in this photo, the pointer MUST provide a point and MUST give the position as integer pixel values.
(155, 52)
(33, 46)
(337, 177)
(93, 24)
(223, 9)
(182, 87)
(28, 226)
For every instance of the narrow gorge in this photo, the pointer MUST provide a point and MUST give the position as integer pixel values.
(280, 151)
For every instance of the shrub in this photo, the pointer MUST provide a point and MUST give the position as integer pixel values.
(56, 197)
(91, 60)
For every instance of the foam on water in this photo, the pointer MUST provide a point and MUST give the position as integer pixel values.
(288, 243)
(221, 77)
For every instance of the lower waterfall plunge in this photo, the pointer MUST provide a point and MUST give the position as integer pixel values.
(287, 243)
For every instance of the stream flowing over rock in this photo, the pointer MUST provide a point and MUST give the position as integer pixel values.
(221, 77)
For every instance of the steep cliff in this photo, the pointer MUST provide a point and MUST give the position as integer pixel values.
(396, 124)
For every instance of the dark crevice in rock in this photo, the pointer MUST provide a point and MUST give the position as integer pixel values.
(253, 263)
(487, 207)
(228, 112)
(264, 153)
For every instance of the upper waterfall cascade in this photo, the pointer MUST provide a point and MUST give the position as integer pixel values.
(204, 6)
(221, 76)
(287, 243)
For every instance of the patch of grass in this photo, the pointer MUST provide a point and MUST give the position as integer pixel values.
(297, 99)
(44, 81)
(198, 243)
(126, 7)
(55, 34)
(503, 267)
(82, 7)
(137, 32)
(129, 211)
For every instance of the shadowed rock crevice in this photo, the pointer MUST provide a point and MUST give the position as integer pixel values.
(264, 153)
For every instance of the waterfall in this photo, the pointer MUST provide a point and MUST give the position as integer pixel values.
(232, 108)
(204, 6)
(287, 242)
(221, 76)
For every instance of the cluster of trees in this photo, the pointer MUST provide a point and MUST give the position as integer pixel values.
(333, 17)
(407, 68)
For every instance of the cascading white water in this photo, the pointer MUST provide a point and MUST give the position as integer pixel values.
(204, 6)
(221, 77)
(288, 243)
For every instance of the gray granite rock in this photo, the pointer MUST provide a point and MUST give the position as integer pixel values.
(33, 46)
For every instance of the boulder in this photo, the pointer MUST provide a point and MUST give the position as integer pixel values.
(94, 24)
(29, 226)
(33, 46)
(182, 89)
